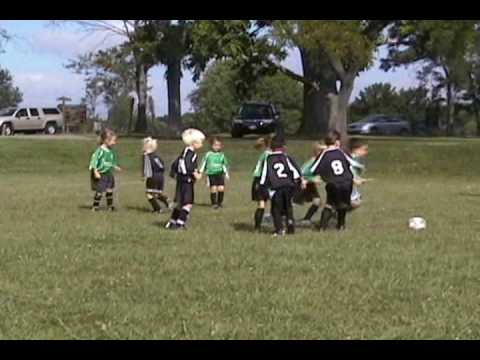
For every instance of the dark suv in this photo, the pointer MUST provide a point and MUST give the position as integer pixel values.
(255, 118)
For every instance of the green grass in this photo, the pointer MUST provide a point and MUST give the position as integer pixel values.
(68, 273)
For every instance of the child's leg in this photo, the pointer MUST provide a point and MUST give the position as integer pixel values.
(163, 199)
(341, 216)
(221, 192)
(213, 195)
(109, 196)
(289, 211)
(327, 214)
(153, 202)
(259, 215)
(313, 209)
(183, 215)
(277, 210)
(96, 200)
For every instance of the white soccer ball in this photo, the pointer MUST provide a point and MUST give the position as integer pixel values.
(417, 223)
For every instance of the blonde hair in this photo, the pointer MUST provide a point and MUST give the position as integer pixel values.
(149, 144)
(191, 136)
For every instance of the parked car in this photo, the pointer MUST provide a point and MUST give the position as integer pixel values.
(30, 119)
(255, 118)
(380, 125)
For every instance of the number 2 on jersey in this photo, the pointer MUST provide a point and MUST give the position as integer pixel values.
(280, 169)
(337, 167)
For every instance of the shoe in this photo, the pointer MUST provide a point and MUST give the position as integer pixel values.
(215, 207)
(112, 209)
(277, 234)
(181, 228)
(171, 226)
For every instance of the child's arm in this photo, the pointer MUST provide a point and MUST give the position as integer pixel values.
(226, 166)
(94, 163)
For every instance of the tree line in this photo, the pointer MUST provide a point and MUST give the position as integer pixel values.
(333, 54)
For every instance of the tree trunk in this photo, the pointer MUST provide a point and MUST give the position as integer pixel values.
(316, 111)
(174, 75)
(339, 104)
(130, 120)
(476, 112)
(141, 88)
(450, 110)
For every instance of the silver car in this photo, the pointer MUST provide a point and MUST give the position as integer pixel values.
(380, 125)
(30, 119)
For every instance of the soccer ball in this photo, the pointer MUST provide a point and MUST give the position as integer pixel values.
(417, 223)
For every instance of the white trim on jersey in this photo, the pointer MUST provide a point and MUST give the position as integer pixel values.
(316, 163)
(263, 176)
(296, 174)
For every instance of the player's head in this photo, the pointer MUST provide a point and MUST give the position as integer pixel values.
(358, 147)
(216, 144)
(263, 143)
(108, 137)
(278, 143)
(193, 138)
(149, 145)
(318, 148)
(333, 138)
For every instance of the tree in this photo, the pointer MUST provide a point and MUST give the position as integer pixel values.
(379, 98)
(441, 47)
(10, 95)
(3, 38)
(215, 112)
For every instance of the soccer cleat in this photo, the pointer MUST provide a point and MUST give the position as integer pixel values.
(215, 207)
(170, 225)
(277, 234)
(112, 209)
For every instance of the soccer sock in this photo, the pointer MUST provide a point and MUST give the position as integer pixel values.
(220, 197)
(183, 216)
(213, 198)
(175, 215)
(163, 199)
(109, 197)
(341, 215)
(259, 218)
(155, 204)
(327, 213)
(311, 211)
(96, 199)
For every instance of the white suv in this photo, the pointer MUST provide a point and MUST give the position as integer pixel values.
(48, 120)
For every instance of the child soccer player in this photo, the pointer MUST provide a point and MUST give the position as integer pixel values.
(153, 172)
(102, 164)
(311, 194)
(186, 172)
(358, 151)
(280, 175)
(333, 167)
(259, 195)
(215, 165)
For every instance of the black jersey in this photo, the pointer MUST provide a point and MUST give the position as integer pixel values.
(279, 170)
(185, 165)
(333, 167)
(152, 165)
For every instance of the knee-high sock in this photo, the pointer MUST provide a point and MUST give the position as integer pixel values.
(163, 198)
(154, 203)
(183, 216)
(311, 211)
(109, 197)
(213, 198)
(259, 217)
(220, 197)
(278, 211)
(341, 215)
(96, 199)
(327, 214)
(175, 216)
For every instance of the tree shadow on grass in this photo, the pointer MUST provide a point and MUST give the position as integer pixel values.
(140, 209)
(247, 228)
(464, 194)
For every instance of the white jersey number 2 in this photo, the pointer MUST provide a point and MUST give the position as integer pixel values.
(337, 167)
(280, 169)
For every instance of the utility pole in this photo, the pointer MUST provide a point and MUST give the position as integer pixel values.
(64, 99)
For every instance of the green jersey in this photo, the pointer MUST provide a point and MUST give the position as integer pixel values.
(307, 170)
(103, 160)
(258, 168)
(214, 163)
(357, 167)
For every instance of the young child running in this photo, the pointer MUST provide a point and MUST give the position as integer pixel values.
(311, 194)
(215, 166)
(185, 170)
(259, 195)
(102, 165)
(333, 167)
(358, 151)
(281, 176)
(153, 173)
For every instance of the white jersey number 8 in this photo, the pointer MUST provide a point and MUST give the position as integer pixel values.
(280, 169)
(337, 167)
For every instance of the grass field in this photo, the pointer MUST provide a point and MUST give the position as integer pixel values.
(68, 273)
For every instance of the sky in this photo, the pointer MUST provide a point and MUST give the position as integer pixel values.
(38, 51)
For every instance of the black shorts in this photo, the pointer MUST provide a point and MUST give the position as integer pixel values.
(339, 195)
(216, 180)
(306, 195)
(155, 184)
(184, 194)
(259, 193)
(106, 182)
